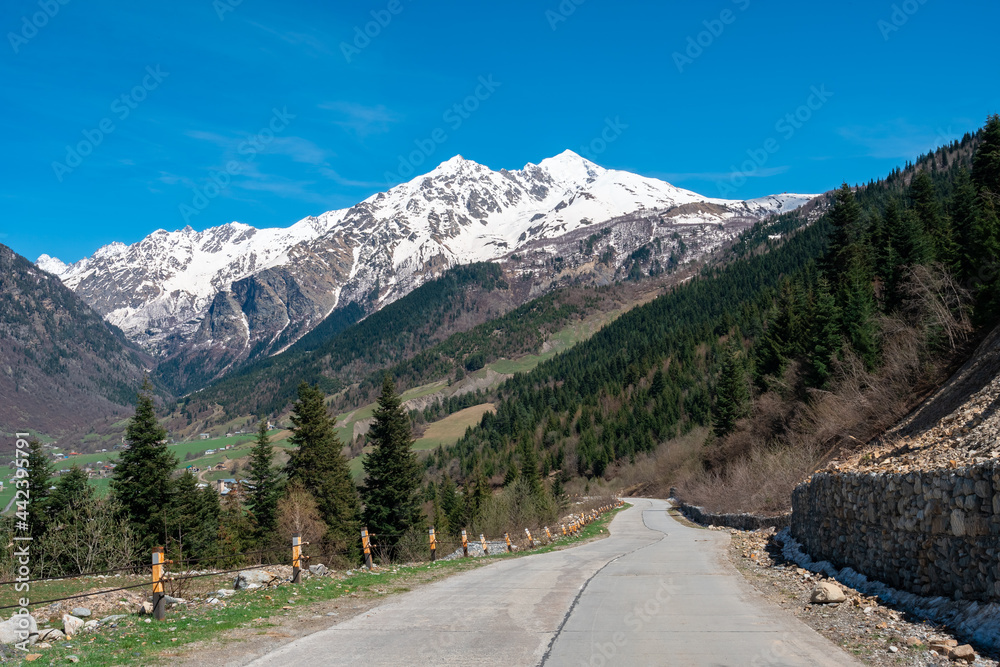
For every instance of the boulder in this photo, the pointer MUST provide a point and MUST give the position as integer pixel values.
(225, 592)
(113, 618)
(963, 653)
(81, 612)
(71, 625)
(319, 569)
(171, 601)
(826, 593)
(91, 624)
(259, 577)
(51, 635)
(19, 628)
(145, 608)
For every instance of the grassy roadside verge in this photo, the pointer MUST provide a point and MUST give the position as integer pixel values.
(137, 640)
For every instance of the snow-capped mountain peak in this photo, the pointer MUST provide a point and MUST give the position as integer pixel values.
(244, 288)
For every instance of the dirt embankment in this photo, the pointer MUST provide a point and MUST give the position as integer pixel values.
(958, 425)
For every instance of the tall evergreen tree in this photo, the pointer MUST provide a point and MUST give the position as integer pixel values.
(142, 479)
(529, 465)
(264, 486)
(986, 161)
(969, 229)
(39, 490)
(936, 225)
(908, 246)
(481, 492)
(845, 220)
(317, 462)
(392, 484)
(71, 492)
(732, 401)
(987, 288)
(856, 299)
(193, 520)
(451, 506)
(236, 531)
(824, 336)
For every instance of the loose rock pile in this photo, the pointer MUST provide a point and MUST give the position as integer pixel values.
(862, 624)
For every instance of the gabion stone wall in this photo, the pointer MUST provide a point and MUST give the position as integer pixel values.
(930, 533)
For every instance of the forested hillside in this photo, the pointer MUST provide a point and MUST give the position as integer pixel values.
(56, 351)
(790, 353)
(426, 315)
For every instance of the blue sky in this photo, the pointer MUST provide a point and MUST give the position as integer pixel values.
(293, 110)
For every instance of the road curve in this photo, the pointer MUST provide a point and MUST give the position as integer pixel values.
(654, 593)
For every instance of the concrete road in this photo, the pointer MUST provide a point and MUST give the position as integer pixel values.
(654, 593)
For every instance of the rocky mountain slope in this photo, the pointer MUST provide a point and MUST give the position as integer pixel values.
(234, 293)
(958, 425)
(62, 367)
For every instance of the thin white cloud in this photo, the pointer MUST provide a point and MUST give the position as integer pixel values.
(310, 43)
(898, 139)
(766, 172)
(360, 119)
(340, 180)
(299, 150)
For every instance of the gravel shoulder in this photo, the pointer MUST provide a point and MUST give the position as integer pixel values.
(861, 625)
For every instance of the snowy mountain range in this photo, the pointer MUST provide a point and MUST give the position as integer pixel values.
(233, 292)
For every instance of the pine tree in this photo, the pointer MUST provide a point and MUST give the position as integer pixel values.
(390, 491)
(845, 219)
(142, 479)
(439, 520)
(968, 226)
(236, 531)
(529, 465)
(935, 224)
(908, 246)
(264, 486)
(824, 336)
(732, 401)
(318, 464)
(39, 483)
(481, 493)
(986, 161)
(987, 308)
(193, 519)
(784, 335)
(71, 492)
(856, 299)
(450, 506)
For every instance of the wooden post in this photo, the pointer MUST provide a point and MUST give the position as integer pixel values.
(465, 544)
(482, 541)
(159, 603)
(433, 546)
(531, 542)
(548, 535)
(510, 548)
(366, 546)
(564, 530)
(297, 558)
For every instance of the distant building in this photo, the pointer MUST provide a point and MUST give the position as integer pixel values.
(205, 436)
